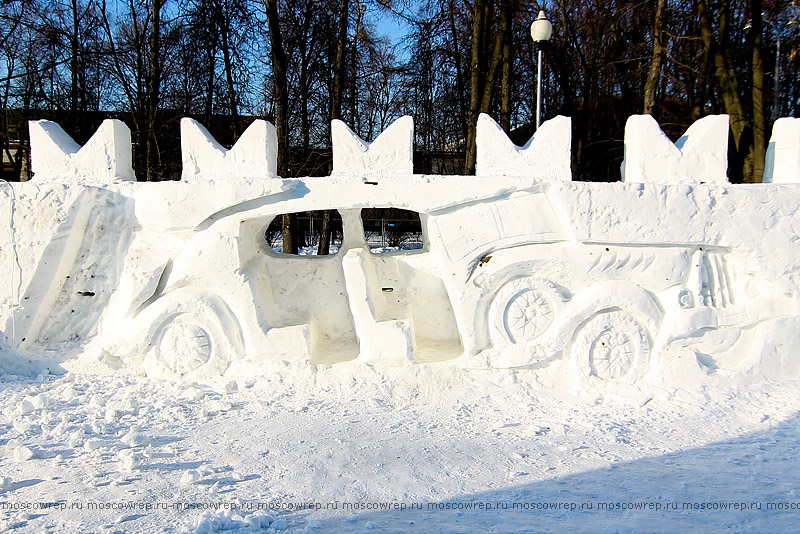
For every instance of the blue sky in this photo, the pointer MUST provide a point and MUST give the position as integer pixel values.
(393, 27)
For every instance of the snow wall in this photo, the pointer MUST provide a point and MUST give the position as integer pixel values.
(671, 273)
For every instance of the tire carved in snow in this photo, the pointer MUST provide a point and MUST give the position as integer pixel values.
(523, 310)
(184, 346)
(612, 346)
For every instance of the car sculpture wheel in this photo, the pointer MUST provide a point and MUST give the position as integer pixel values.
(523, 310)
(189, 333)
(184, 346)
(528, 314)
(612, 346)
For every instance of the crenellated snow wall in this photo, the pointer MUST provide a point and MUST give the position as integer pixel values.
(671, 273)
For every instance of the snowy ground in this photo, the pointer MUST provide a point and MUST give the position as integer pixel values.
(460, 451)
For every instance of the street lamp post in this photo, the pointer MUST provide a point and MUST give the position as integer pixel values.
(541, 30)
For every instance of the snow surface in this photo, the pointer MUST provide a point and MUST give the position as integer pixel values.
(434, 435)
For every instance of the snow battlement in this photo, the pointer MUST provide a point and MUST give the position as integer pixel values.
(672, 272)
(104, 159)
(699, 156)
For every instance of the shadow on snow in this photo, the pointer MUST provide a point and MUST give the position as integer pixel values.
(755, 469)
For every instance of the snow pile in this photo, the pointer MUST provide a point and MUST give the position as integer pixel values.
(253, 156)
(390, 154)
(672, 273)
(548, 151)
(783, 156)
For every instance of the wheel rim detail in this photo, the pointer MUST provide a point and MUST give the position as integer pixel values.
(612, 345)
(184, 346)
(612, 355)
(528, 314)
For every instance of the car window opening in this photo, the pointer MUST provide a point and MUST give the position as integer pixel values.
(391, 229)
(309, 232)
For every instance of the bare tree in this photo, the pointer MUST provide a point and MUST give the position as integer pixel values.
(325, 59)
(487, 54)
(279, 66)
(659, 51)
(336, 110)
(136, 61)
(153, 88)
(759, 119)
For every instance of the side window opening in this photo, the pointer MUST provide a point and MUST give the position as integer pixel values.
(391, 229)
(307, 230)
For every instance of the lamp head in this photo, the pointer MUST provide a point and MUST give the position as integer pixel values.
(541, 28)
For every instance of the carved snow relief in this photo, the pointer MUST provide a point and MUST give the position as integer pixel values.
(523, 310)
(613, 346)
(673, 272)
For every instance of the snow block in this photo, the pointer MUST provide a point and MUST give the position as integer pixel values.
(699, 156)
(104, 159)
(545, 155)
(380, 341)
(254, 155)
(783, 153)
(391, 153)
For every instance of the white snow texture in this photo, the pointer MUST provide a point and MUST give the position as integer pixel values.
(520, 268)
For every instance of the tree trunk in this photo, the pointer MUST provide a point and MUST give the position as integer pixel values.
(24, 161)
(228, 64)
(759, 120)
(338, 68)
(74, 61)
(304, 84)
(495, 60)
(483, 72)
(279, 65)
(659, 49)
(476, 81)
(355, 116)
(210, 51)
(508, 63)
(460, 86)
(209, 104)
(698, 92)
(324, 246)
(153, 89)
(728, 86)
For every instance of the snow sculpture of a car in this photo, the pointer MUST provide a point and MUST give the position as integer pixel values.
(536, 295)
(524, 297)
(518, 267)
